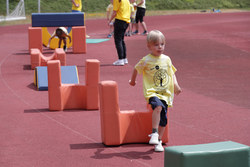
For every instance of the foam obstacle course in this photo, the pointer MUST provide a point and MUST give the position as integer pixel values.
(219, 154)
(69, 75)
(38, 59)
(74, 20)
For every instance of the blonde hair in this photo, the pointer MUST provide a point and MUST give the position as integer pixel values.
(155, 36)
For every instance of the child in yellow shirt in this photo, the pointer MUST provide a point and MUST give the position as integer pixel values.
(109, 10)
(159, 84)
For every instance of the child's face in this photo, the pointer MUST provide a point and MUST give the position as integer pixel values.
(157, 48)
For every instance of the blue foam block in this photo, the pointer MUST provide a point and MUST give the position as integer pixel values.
(57, 19)
(69, 75)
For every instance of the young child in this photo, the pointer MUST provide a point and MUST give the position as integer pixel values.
(132, 19)
(62, 34)
(159, 84)
(109, 10)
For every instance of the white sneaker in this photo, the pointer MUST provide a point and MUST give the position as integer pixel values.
(154, 138)
(119, 63)
(125, 61)
(158, 147)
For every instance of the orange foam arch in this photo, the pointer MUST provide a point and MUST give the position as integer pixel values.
(38, 59)
(122, 127)
(73, 96)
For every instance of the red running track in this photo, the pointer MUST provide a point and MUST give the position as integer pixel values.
(211, 53)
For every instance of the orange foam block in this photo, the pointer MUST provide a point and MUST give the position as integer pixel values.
(38, 59)
(121, 127)
(79, 39)
(35, 38)
(73, 96)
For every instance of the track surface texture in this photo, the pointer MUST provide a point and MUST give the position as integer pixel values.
(211, 53)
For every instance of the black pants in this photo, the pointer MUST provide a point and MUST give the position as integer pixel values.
(140, 13)
(155, 102)
(119, 32)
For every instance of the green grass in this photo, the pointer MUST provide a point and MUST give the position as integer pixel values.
(102, 15)
(97, 8)
(93, 6)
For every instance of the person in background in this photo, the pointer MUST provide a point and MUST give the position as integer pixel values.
(121, 13)
(140, 13)
(132, 19)
(76, 5)
(109, 10)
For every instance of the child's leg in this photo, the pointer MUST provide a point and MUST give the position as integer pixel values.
(133, 25)
(161, 130)
(60, 41)
(130, 29)
(65, 44)
(156, 105)
(136, 27)
(158, 147)
(159, 121)
(144, 26)
(163, 119)
(156, 117)
(137, 18)
(110, 29)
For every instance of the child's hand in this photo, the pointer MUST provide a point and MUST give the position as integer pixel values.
(132, 83)
(47, 46)
(177, 89)
(110, 23)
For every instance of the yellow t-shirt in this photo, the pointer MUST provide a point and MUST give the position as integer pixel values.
(158, 79)
(132, 11)
(123, 10)
(77, 8)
